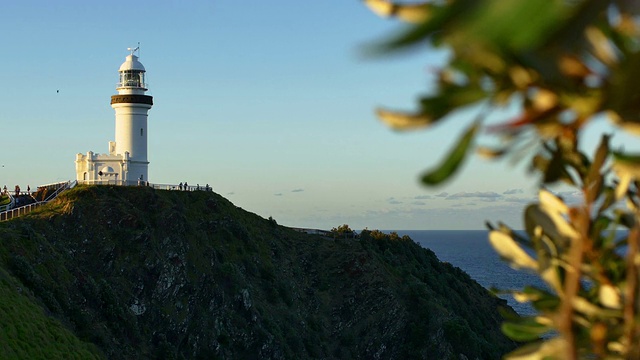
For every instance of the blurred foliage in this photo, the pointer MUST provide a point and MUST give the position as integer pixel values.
(565, 64)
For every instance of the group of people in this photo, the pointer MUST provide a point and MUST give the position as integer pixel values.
(16, 190)
(185, 187)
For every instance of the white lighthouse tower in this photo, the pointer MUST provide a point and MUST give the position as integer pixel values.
(126, 163)
(131, 106)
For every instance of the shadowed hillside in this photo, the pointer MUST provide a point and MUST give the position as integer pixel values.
(128, 272)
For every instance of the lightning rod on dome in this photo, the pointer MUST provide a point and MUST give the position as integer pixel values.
(135, 49)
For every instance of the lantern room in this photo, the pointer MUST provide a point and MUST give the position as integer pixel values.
(132, 74)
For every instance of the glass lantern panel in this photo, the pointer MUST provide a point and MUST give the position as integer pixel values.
(133, 78)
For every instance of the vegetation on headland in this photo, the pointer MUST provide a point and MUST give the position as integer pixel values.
(142, 273)
(564, 65)
(27, 332)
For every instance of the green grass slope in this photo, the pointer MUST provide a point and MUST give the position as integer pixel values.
(27, 333)
(4, 200)
(143, 273)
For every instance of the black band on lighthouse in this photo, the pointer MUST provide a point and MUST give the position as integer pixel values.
(132, 99)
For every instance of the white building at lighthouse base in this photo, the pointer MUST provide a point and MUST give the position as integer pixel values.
(109, 169)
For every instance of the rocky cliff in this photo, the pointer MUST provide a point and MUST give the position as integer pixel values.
(123, 273)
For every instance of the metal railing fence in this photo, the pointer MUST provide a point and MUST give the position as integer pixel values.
(22, 210)
(8, 214)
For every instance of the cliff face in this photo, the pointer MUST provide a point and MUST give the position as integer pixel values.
(142, 273)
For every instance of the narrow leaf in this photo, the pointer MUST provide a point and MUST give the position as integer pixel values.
(555, 169)
(623, 185)
(433, 108)
(549, 215)
(539, 350)
(491, 154)
(526, 329)
(609, 296)
(509, 250)
(627, 167)
(438, 23)
(453, 160)
(542, 300)
(586, 307)
(552, 202)
(404, 121)
(609, 199)
(627, 158)
(550, 276)
(412, 13)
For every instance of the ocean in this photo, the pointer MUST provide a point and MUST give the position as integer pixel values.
(470, 251)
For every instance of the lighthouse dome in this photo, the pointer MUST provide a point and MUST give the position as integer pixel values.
(131, 76)
(131, 63)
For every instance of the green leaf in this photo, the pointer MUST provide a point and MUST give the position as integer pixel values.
(452, 97)
(412, 13)
(441, 17)
(633, 159)
(511, 251)
(542, 300)
(453, 160)
(404, 121)
(549, 349)
(625, 218)
(609, 199)
(622, 95)
(518, 25)
(627, 167)
(434, 108)
(551, 216)
(599, 159)
(555, 169)
(525, 329)
(600, 225)
(609, 296)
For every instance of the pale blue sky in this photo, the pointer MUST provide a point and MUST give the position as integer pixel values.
(270, 102)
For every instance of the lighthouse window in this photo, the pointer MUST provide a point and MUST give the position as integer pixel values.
(141, 131)
(132, 78)
(141, 79)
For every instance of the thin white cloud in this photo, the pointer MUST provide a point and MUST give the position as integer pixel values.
(448, 217)
(518, 200)
(420, 203)
(486, 196)
(423, 197)
(297, 190)
(443, 194)
(513, 192)
(277, 194)
(393, 201)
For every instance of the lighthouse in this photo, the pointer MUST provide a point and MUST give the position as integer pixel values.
(127, 162)
(131, 106)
